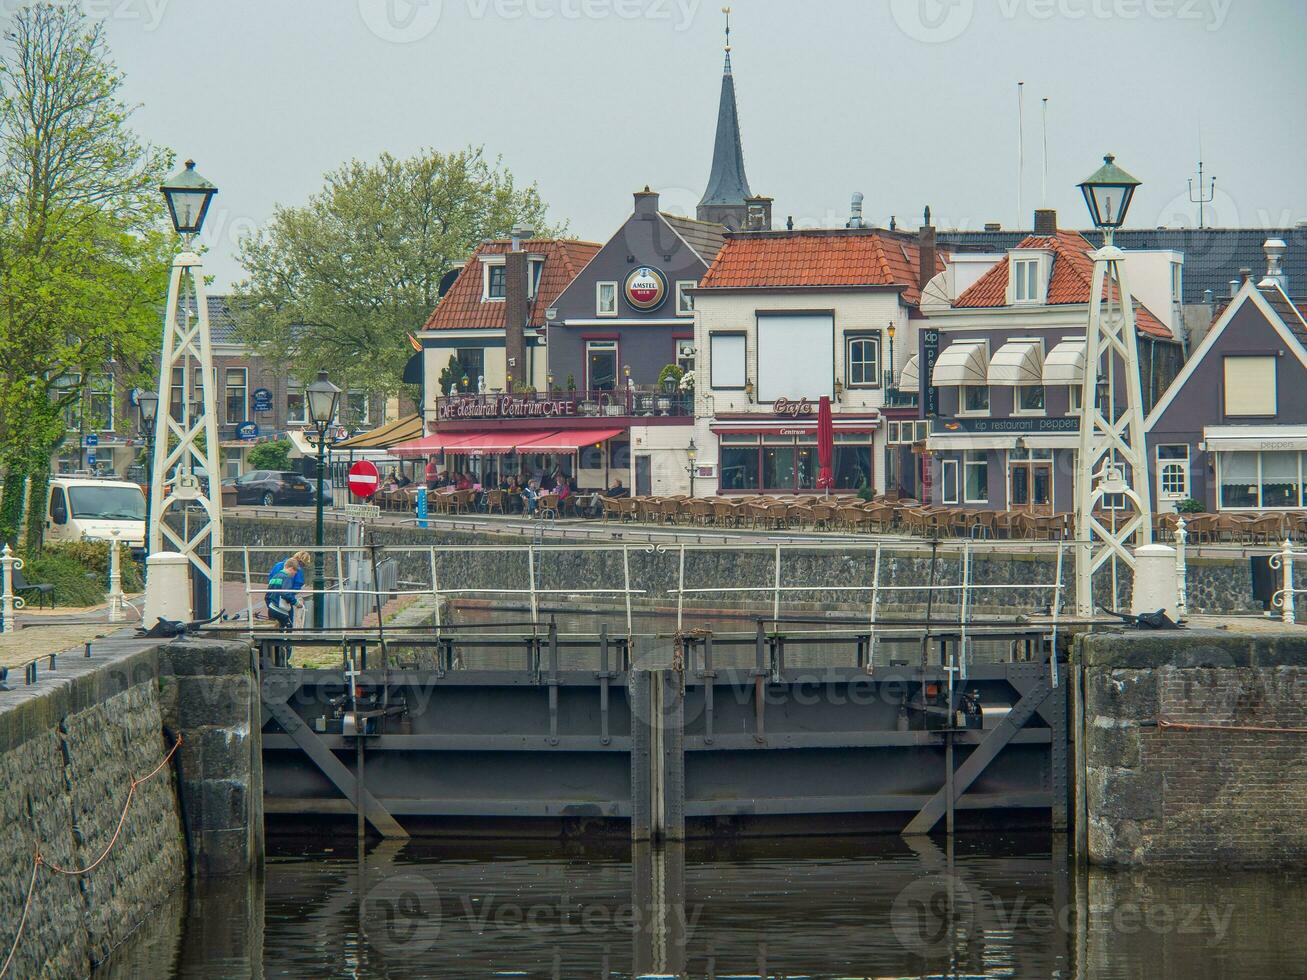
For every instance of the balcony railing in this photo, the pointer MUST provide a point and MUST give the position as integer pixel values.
(896, 397)
(636, 401)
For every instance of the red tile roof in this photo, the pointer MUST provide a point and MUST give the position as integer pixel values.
(1069, 283)
(837, 257)
(462, 307)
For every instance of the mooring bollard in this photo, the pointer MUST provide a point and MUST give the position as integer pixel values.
(8, 601)
(1181, 569)
(1286, 592)
(116, 613)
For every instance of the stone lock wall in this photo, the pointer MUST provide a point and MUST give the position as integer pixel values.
(1232, 789)
(70, 747)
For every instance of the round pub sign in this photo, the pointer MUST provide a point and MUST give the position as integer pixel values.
(646, 288)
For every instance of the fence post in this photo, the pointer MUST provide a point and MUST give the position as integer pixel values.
(116, 613)
(1181, 570)
(8, 601)
(1286, 593)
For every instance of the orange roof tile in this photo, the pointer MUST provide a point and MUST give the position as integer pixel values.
(836, 257)
(462, 307)
(1072, 275)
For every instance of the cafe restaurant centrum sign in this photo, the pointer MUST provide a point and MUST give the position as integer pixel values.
(503, 407)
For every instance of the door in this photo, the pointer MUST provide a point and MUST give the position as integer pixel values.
(1031, 487)
(643, 477)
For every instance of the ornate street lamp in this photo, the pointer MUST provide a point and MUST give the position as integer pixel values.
(889, 370)
(323, 398)
(188, 196)
(1112, 459)
(692, 453)
(147, 405)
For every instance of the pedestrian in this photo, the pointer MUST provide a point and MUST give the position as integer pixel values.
(284, 582)
(432, 473)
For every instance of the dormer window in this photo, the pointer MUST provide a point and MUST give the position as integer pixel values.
(535, 268)
(494, 277)
(496, 281)
(1028, 281)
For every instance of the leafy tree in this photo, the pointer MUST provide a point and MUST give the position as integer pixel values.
(452, 375)
(270, 455)
(338, 283)
(83, 247)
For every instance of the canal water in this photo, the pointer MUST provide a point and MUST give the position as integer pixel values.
(866, 907)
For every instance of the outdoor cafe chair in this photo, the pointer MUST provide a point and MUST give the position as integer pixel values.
(1296, 526)
(1267, 528)
(547, 503)
(494, 501)
(800, 515)
(823, 515)
(699, 511)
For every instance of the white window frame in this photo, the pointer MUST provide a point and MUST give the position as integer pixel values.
(1021, 290)
(690, 355)
(856, 337)
(733, 336)
(293, 386)
(1074, 393)
(244, 387)
(1260, 505)
(1016, 401)
(599, 298)
(970, 458)
(535, 268)
(682, 298)
(975, 413)
(944, 466)
(486, 266)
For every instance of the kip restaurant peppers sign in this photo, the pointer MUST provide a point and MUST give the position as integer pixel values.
(646, 288)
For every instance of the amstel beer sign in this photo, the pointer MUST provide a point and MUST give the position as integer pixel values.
(646, 288)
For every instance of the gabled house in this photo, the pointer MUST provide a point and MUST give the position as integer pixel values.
(1007, 373)
(1231, 431)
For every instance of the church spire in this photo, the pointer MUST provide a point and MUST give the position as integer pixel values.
(728, 188)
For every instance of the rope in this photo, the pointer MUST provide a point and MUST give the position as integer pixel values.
(39, 861)
(1196, 726)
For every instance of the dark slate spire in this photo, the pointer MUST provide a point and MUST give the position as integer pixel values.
(727, 185)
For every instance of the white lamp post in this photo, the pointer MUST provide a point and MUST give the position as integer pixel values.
(183, 445)
(1113, 457)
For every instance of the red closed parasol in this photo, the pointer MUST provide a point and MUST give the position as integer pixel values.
(825, 445)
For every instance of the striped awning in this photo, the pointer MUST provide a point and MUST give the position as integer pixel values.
(961, 363)
(1065, 363)
(1019, 362)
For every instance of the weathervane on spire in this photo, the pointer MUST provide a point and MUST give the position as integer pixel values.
(727, 12)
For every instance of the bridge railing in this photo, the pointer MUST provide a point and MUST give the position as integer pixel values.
(1284, 597)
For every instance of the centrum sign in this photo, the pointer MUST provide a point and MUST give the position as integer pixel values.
(503, 407)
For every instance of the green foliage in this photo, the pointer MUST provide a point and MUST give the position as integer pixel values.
(38, 485)
(452, 375)
(11, 504)
(864, 492)
(1190, 506)
(79, 571)
(338, 283)
(269, 455)
(571, 383)
(670, 376)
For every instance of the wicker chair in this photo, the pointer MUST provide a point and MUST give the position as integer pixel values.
(823, 515)
(671, 509)
(699, 511)
(547, 504)
(494, 501)
(1296, 523)
(1268, 529)
(800, 515)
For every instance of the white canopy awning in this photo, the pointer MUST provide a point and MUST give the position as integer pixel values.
(1065, 364)
(1255, 438)
(961, 363)
(1020, 362)
(910, 379)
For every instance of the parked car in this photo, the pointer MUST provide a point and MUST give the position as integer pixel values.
(271, 487)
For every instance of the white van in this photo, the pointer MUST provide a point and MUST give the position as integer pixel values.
(80, 508)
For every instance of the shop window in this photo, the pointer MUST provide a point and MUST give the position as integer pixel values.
(974, 399)
(949, 480)
(236, 384)
(1250, 386)
(601, 365)
(726, 360)
(862, 361)
(606, 299)
(975, 478)
(852, 467)
(1266, 480)
(739, 468)
(1029, 399)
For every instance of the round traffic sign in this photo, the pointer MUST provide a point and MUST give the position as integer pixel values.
(364, 479)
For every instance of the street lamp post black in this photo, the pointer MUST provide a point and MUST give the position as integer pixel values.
(692, 453)
(323, 398)
(147, 404)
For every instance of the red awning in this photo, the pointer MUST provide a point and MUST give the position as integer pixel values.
(569, 440)
(490, 443)
(416, 448)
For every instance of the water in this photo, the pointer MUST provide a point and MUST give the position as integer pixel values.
(867, 907)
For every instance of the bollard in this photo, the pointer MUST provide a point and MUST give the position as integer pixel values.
(1181, 569)
(116, 613)
(1286, 593)
(1155, 584)
(9, 602)
(167, 588)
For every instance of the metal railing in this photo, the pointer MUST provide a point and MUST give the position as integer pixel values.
(1285, 596)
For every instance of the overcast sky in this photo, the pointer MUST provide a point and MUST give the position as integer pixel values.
(912, 102)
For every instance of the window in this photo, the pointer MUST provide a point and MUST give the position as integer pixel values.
(177, 394)
(1073, 398)
(601, 365)
(1261, 480)
(786, 463)
(356, 407)
(473, 362)
(862, 361)
(739, 468)
(973, 400)
(684, 301)
(64, 386)
(295, 409)
(1177, 282)
(949, 480)
(1025, 281)
(1250, 386)
(852, 467)
(606, 299)
(236, 380)
(685, 355)
(496, 281)
(1029, 399)
(535, 267)
(796, 355)
(922, 431)
(1172, 472)
(975, 478)
(726, 360)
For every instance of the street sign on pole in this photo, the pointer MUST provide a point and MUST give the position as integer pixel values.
(361, 511)
(92, 439)
(364, 479)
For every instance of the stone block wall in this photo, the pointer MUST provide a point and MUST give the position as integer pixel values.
(1230, 790)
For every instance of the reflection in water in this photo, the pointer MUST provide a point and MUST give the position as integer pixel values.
(839, 908)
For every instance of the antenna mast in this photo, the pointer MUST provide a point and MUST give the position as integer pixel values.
(1021, 148)
(1203, 197)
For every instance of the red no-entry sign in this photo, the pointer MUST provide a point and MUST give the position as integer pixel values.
(364, 479)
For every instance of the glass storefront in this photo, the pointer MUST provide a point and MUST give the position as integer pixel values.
(1262, 480)
(789, 463)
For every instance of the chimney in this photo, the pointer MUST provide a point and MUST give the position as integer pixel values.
(1245, 273)
(517, 309)
(925, 252)
(1275, 249)
(646, 202)
(855, 211)
(757, 214)
(1045, 222)
(1234, 287)
(1209, 297)
(993, 226)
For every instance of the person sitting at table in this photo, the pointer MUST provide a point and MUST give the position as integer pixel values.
(617, 490)
(461, 482)
(432, 474)
(401, 479)
(530, 496)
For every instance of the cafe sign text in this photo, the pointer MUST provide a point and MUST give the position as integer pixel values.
(503, 407)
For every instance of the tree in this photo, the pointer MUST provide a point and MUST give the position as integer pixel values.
(339, 283)
(269, 455)
(83, 247)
